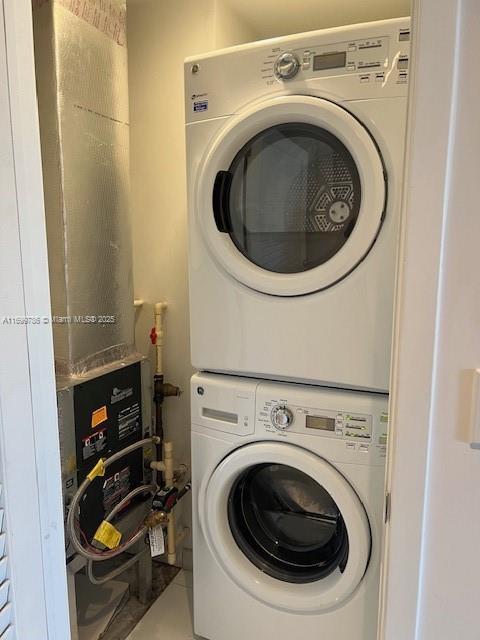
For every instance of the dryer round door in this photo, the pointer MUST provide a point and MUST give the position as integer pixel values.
(290, 196)
(286, 527)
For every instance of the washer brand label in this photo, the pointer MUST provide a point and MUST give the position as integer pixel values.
(200, 105)
(120, 394)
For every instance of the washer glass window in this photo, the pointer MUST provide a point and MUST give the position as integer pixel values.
(287, 524)
(294, 199)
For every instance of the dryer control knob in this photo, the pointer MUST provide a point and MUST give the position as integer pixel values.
(282, 417)
(286, 66)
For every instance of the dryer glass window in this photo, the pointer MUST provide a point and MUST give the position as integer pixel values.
(287, 524)
(294, 198)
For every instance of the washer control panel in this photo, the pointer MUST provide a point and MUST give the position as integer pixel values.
(353, 422)
(281, 416)
(337, 424)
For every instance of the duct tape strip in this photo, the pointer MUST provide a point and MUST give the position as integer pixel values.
(98, 470)
(108, 16)
(107, 535)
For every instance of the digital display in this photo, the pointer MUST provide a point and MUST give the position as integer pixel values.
(320, 422)
(330, 61)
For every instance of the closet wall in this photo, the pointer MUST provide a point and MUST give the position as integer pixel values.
(160, 35)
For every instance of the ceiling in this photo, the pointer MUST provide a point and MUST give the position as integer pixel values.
(270, 18)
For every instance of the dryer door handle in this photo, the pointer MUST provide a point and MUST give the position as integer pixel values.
(221, 201)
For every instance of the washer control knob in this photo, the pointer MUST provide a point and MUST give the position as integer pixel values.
(286, 66)
(282, 417)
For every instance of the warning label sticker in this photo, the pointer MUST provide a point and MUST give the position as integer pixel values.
(115, 488)
(129, 421)
(99, 416)
(94, 444)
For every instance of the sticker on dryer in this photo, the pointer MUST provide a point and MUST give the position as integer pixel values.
(200, 105)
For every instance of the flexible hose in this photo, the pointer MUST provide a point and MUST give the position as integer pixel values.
(71, 529)
(116, 572)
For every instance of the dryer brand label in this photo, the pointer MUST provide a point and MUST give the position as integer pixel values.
(200, 105)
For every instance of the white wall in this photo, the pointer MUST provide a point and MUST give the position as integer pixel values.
(271, 18)
(451, 562)
(231, 28)
(160, 35)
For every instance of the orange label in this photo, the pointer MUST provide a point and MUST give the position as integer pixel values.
(99, 416)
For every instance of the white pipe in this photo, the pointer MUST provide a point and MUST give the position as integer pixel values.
(157, 465)
(171, 541)
(168, 477)
(138, 303)
(160, 308)
(168, 462)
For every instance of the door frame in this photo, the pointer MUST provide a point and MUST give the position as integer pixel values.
(28, 352)
(418, 310)
(29, 438)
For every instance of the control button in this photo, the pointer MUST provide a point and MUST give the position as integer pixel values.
(352, 47)
(306, 56)
(363, 448)
(351, 445)
(339, 432)
(286, 66)
(282, 417)
(383, 439)
(379, 77)
(402, 64)
(305, 66)
(364, 78)
(351, 66)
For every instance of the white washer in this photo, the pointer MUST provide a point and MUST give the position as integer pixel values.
(288, 509)
(295, 151)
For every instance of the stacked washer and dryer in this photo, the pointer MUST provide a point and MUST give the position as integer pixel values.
(295, 155)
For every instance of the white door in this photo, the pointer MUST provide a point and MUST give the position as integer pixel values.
(286, 527)
(291, 195)
(432, 562)
(32, 575)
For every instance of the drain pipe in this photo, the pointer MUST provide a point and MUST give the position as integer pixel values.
(163, 390)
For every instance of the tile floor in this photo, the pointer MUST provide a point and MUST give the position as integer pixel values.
(131, 610)
(170, 617)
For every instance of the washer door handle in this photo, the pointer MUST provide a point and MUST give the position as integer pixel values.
(221, 201)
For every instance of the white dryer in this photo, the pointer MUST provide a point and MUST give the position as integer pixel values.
(288, 502)
(295, 151)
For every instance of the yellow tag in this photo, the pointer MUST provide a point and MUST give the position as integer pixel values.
(99, 416)
(98, 470)
(108, 535)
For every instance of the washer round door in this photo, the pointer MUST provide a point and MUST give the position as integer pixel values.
(290, 196)
(286, 527)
